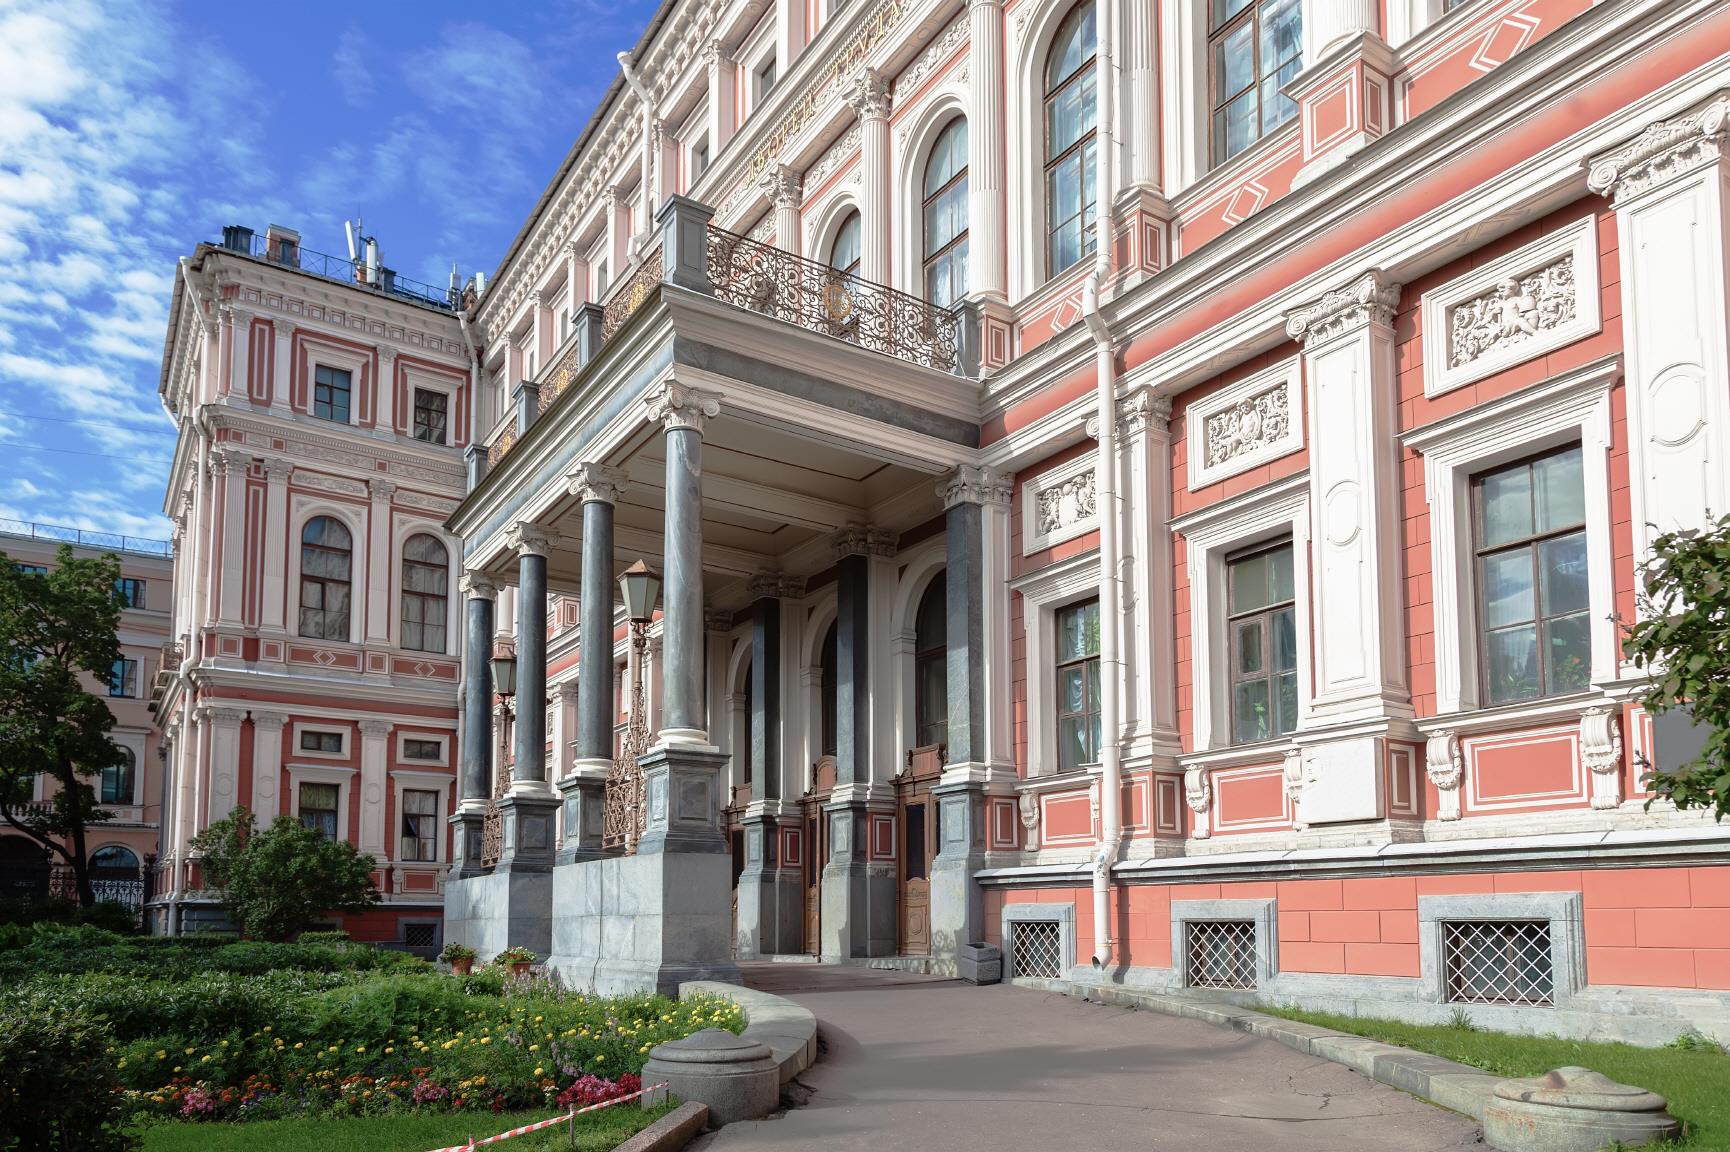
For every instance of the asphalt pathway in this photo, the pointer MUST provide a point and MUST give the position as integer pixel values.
(915, 1062)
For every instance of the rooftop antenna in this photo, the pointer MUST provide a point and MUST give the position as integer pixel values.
(348, 230)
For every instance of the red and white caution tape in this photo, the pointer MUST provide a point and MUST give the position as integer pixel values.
(527, 1128)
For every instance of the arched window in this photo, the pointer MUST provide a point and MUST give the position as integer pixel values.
(118, 779)
(326, 578)
(114, 861)
(931, 665)
(945, 216)
(1069, 141)
(844, 253)
(830, 670)
(425, 573)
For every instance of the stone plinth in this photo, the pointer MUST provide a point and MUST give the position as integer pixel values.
(1574, 1110)
(737, 1078)
(491, 911)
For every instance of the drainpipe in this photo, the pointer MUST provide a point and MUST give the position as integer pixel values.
(1110, 589)
(649, 159)
(474, 376)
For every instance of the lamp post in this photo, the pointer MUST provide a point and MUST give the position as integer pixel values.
(504, 670)
(626, 812)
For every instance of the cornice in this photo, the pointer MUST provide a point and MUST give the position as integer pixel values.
(1665, 150)
(273, 426)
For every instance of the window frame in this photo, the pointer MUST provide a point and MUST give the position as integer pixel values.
(301, 811)
(130, 764)
(922, 657)
(325, 728)
(429, 840)
(444, 397)
(123, 679)
(347, 394)
(1251, 14)
(1265, 613)
(1058, 666)
(130, 590)
(323, 581)
(959, 241)
(850, 218)
(1050, 163)
(423, 599)
(342, 777)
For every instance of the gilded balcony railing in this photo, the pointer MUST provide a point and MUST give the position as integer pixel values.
(628, 299)
(768, 280)
(559, 377)
(502, 443)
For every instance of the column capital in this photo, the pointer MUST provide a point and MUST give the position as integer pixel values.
(776, 586)
(225, 458)
(868, 95)
(596, 483)
(528, 539)
(974, 484)
(270, 721)
(375, 729)
(716, 53)
(386, 353)
(536, 300)
(617, 196)
(276, 468)
(717, 620)
(381, 489)
(284, 327)
(1665, 150)
(1370, 299)
(477, 586)
(679, 405)
(984, 4)
(1142, 410)
(213, 714)
(571, 250)
(565, 691)
(782, 186)
(863, 540)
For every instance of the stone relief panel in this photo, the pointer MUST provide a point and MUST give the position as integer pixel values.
(1526, 304)
(1247, 424)
(1059, 505)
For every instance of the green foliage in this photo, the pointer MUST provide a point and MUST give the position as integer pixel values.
(455, 951)
(1683, 639)
(515, 954)
(333, 936)
(60, 1088)
(57, 628)
(109, 914)
(68, 948)
(276, 882)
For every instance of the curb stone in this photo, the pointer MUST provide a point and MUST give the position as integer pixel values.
(786, 1029)
(671, 1132)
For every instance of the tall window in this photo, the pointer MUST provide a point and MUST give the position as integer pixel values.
(129, 590)
(830, 670)
(1254, 48)
(699, 160)
(1069, 141)
(1078, 685)
(420, 811)
(318, 807)
(1533, 614)
(425, 572)
(764, 79)
(326, 562)
(118, 779)
(931, 664)
(945, 208)
(844, 253)
(431, 410)
(123, 678)
(1262, 630)
(330, 392)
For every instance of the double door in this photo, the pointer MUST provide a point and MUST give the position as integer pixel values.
(917, 820)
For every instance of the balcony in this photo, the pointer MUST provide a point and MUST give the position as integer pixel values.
(384, 281)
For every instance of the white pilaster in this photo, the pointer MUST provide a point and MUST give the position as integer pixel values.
(374, 738)
(723, 107)
(1150, 698)
(384, 406)
(868, 95)
(542, 340)
(666, 163)
(276, 474)
(1327, 22)
(790, 33)
(378, 563)
(282, 377)
(994, 582)
(1141, 76)
(618, 233)
(987, 249)
(782, 187)
(229, 470)
(576, 279)
(888, 694)
(267, 765)
(224, 760)
(564, 711)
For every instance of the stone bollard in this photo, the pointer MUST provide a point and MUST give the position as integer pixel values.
(979, 963)
(737, 1078)
(1574, 1110)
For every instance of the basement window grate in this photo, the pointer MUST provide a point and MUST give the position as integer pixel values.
(1221, 953)
(1036, 948)
(420, 935)
(1498, 962)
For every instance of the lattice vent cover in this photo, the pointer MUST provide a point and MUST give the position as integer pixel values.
(1221, 953)
(1036, 948)
(1498, 962)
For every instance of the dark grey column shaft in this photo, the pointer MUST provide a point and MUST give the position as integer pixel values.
(531, 731)
(478, 699)
(595, 657)
(852, 669)
(966, 604)
(766, 695)
(682, 592)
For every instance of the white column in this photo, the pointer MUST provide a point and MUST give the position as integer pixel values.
(237, 330)
(229, 471)
(576, 278)
(378, 563)
(782, 187)
(384, 404)
(541, 339)
(1141, 129)
(224, 759)
(374, 735)
(1151, 697)
(564, 707)
(790, 33)
(717, 626)
(276, 474)
(1671, 188)
(723, 109)
(666, 165)
(267, 765)
(618, 233)
(868, 96)
(282, 377)
(988, 239)
(1327, 22)
(188, 788)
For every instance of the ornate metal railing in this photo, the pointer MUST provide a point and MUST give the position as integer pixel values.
(502, 443)
(764, 279)
(565, 370)
(106, 540)
(624, 809)
(493, 821)
(625, 301)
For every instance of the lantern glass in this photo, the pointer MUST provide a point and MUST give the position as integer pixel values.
(505, 675)
(641, 587)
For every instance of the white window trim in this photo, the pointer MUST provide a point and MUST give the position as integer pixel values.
(1210, 534)
(1063, 915)
(1580, 239)
(1566, 916)
(343, 778)
(936, 111)
(762, 46)
(402, 532)
(1572, 406)
(416, 380)
(344, 731)
(404, 735)
(1042, 594)
(134, 743)
(1287, 373)
(405, 779)
(321, 355)
(1264, 914)
(301, 511)
(1031, 539)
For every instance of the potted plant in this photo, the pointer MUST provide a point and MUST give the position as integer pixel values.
(517, 958)
(460, 957)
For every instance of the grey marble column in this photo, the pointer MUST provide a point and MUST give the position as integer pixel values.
(683, 411)
(530, 806)
(475, 783)
(584, 790)
(766, 690)
(966, 615)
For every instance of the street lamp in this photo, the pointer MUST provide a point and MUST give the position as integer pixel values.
(624, 811)
(505, 674)
(641, 586)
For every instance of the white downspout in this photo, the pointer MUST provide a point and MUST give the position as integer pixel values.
(474, 379)
(649, 158)
(1105, 484)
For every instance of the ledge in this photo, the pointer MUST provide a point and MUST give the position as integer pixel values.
(787, 1030)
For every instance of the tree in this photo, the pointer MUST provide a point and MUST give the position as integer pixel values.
(277, 882)
(1683, 639)
(57, 628)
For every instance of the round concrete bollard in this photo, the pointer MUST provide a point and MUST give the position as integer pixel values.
(737, 1078)
(1574, 1110)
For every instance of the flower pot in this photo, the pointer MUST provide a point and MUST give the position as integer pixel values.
(462, 965)
(520, 967)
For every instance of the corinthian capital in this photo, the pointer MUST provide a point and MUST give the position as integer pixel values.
(868, 95)
(679, 405)
(1367, 300)
(1664, 150)
(974, 484)
(478, 586)
(529, 539)
(782, 186)
(596, 482)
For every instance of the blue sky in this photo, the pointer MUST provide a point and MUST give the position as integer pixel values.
(131, 131)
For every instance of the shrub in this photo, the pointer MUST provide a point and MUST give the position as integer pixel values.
(60, 1088)
(276, 881)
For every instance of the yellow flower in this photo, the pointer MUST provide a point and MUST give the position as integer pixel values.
(297, 1044)
(177, 1067)
(190, 1051)
(534, 1047)
(486, 1039)
(361, 1048)
(161, 1055)
(122, 1059)
(388, 1051)
(204, 1059)
(601, 1057)
(537, 1071)
(267, 1027)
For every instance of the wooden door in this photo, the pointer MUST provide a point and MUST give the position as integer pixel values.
(916, 817)
(816, 824)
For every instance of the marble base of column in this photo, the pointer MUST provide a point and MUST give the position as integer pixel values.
(771, 897)
(957, 914)
(466, 829)
(528, 832)
(583, 806)
(858, 895)
(682, 789)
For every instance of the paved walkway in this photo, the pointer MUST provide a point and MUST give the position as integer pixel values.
(916, 1062)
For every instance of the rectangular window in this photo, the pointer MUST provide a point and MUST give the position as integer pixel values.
(129, 591)
(764, 79)
(1078, 685)
(1534, 619)
(1254, 49)
(117, 781)
(318, 807)
(321, 742)
(1498, 962)
(420, 811)
(699, 160)
(36, 569)
(123, 678)
(413, 749)
(600, 279)
(1261, 630)
(430, 409)
(330, 392)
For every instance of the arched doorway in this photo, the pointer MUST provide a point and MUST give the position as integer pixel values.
(916, 809)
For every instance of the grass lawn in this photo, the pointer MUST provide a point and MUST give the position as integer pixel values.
(410, 1132)
(1696, 1082)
